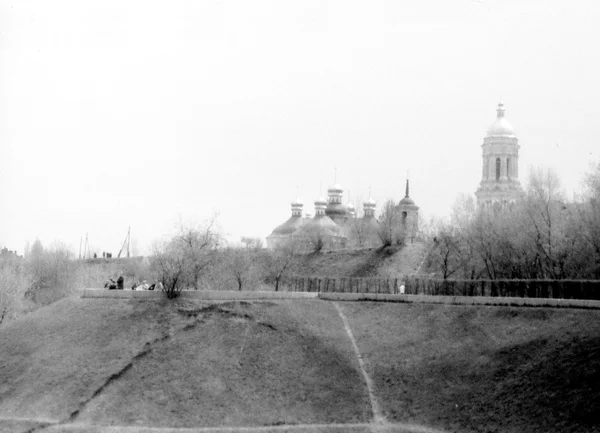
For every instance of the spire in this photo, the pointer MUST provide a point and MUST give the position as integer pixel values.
(406, 191)
(500, 109)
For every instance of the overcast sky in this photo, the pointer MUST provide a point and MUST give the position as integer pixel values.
(135, 113)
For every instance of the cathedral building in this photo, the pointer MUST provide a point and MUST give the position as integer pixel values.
(337, 225)
(500, 174)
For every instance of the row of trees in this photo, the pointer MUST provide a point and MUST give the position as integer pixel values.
(196, 257)
(543, 236)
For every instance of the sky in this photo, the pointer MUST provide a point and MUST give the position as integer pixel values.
(142, 114)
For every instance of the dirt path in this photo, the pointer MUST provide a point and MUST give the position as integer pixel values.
(378, 417)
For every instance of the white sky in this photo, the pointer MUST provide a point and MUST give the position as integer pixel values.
(119, 113)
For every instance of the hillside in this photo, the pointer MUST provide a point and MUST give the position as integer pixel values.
(392, 261)
(146, 363)
(191, 364)
(483, 369)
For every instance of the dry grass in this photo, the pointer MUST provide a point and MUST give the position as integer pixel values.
(181, 364)
(191, 364)
(483, 369)
(390, 261)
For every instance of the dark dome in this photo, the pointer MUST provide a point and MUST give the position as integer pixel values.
(407, 201)
(323, 224)
(289, 227)
(336, 209)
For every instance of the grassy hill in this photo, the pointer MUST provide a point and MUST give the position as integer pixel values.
(181, 364)
(483, 369)
(190, 364)
(388, 261)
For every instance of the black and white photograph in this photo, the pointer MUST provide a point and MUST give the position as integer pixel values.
(284, 216)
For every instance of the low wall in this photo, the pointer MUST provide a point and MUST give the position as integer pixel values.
(209, 295)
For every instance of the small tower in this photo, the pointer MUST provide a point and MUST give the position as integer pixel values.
(409, 214)
(370, 225)
(369, 208)
(500, 166)
(297, 206)
(320, 207)
(336, 210)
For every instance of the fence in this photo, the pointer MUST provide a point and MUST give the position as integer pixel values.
(561, 289)
(343, 285)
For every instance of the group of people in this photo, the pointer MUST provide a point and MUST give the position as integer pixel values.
(145, 286)
(111, 284)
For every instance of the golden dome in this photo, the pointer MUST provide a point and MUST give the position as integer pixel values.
(501, 127)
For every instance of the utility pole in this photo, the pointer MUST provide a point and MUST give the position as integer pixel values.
(125, 242)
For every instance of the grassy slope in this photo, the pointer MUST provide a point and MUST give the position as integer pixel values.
(486, 369)
(241, 364)
(362, 263)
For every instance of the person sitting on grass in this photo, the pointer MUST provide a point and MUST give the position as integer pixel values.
(120, 281)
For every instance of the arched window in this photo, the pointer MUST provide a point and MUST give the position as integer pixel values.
(508, 168)
(497, 168)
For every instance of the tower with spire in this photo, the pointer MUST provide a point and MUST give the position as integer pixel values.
(408, 212)
(500, 166)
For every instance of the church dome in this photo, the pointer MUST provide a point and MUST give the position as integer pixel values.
(321, 201)
(335, 188)
(407, 200)
(501, 127)
(288, 227)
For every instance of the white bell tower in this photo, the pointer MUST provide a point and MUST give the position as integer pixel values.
(500, 168)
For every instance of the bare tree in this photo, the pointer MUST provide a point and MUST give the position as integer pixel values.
(390, 229)
(446, 253)
(180, 262)
(544, 204)
(238, 263)
(281, 259)
(358, 233)
(14, 282)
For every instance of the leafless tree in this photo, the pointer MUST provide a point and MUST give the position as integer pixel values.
(358, 233)
(238, 265)
(180, 262)
(281, 259)
(390, 229)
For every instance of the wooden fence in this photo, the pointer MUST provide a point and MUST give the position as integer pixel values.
(561, 289)
(343, 285)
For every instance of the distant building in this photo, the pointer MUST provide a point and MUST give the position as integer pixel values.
(500, 169)
(337, 226)
(5, 253)
(409, 214)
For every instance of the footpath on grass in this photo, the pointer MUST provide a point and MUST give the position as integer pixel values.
(221, 295)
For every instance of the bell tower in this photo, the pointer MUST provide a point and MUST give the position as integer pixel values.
(500, 169)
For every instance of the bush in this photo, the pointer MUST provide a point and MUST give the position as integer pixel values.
(14, 282)
(183, 261)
